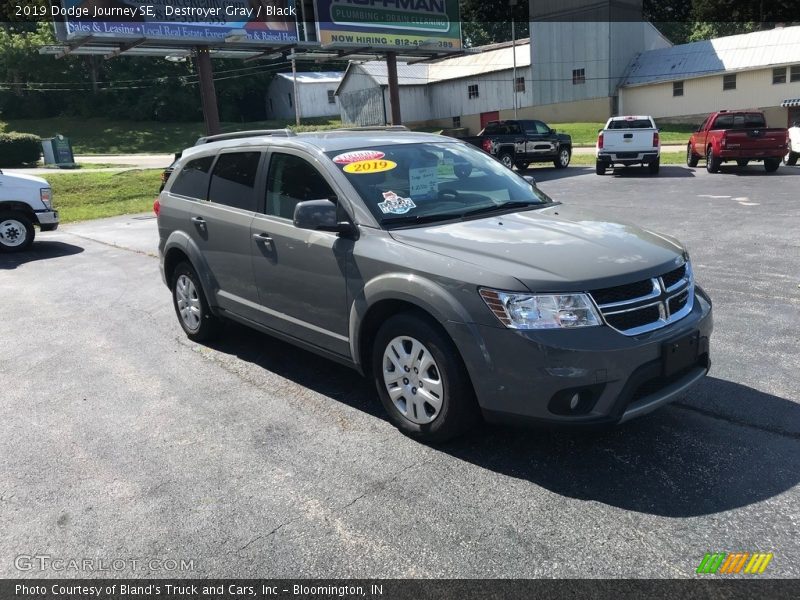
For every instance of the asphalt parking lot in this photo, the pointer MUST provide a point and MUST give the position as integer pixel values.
(119, 438)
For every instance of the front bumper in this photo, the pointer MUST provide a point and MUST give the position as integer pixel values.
(525, 375)
(48, 220)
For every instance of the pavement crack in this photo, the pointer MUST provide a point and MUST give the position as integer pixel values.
(737, 421)
(381, 485)
(268, 534)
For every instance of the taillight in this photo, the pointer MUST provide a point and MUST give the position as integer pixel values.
(655, 139)
(600, 140)
(486, 145)
(724, 140)
(156, 206)
(45, 195)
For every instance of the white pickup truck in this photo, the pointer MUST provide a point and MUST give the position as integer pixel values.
(25, 201)
(794, 145)
(629, 140)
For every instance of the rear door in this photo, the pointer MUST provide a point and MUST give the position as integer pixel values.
(300, 274)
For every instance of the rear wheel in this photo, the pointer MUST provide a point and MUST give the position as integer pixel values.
(743, 162)
(771, 164)
(654, 166)
(421, 379)
(16, 232)
(791, 158)
(507, 159)
(521, 165)
(691, 158)
(194, 315)
(712, 162)
(562, 161)
(600, 167)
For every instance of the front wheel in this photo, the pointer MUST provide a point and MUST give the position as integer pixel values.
(421, 379)
(521, 165)
(562, 161)
(771, 164)
(691, 158)
(507, 159)
(194, 315)
(16, 232)
(791, 158)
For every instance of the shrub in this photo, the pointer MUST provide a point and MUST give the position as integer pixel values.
(19, 149)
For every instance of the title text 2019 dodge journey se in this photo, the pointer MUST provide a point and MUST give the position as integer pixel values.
(457, 285)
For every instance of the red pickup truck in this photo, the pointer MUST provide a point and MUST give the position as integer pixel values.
(737, 135)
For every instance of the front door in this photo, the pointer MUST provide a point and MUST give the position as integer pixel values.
(300, 274)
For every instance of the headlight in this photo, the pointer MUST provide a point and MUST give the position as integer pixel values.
(541, 311)
(45, 194)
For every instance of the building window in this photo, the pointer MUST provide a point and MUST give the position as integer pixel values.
(779, 75)
(290, 99)
(331, 97)
(794, 73)
(456, 121)
(729, 82)
(472, 91)
(519, 84)
(677, 88)
(578, 76)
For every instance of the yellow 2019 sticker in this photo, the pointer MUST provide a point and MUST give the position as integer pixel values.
(362, 167)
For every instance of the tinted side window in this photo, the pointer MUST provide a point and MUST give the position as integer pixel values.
(192, 181)
(234, 180)
(542, 128)
(291, 180)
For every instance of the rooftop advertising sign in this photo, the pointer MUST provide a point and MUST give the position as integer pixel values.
(272, 21)
(389, 23)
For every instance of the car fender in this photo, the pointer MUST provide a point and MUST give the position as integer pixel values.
(413, 289)
(182, 241)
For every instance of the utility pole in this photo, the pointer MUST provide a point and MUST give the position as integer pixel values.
(394, 87)
(208, 95)
(296, 97)
(512, 4)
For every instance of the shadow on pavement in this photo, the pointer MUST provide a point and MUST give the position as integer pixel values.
(677, 462)
(757, 170)
(38, 251)
(664, 171)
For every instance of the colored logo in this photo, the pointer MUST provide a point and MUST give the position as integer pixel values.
(722, 563)
(357, 155)
(363, 167)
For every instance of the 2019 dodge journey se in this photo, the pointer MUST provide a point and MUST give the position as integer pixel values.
(457, 285)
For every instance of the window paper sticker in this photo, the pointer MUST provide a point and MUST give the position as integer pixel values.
(363, 167)
(395, 205)
(357, 155)
(423, 182)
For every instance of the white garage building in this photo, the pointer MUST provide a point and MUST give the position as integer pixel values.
(315, 95)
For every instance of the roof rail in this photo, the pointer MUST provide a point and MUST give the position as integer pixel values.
(243, 134)
(373, 128)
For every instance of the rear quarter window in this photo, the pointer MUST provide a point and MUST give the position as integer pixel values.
(192, 180)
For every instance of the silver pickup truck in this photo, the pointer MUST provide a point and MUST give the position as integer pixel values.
(629, 140)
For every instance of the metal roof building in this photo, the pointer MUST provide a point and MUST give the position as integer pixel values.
(315, 95)
(752, 70)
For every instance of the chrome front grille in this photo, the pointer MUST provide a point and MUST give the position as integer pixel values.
(648, 304)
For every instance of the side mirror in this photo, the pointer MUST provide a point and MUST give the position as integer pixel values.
(600, 130)
(319, 215)
(552, 131)
(530, 179)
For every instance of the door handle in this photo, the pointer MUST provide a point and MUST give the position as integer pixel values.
(264, 238)
(200, 222)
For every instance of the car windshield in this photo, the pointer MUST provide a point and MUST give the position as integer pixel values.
(416, 183)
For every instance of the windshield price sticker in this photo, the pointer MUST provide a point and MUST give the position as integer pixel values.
(395, 205)
(423, 182)
(363, 167)
(357, 155)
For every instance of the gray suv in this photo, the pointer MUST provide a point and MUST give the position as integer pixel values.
(457, 285)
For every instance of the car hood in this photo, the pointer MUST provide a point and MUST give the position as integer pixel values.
(18, 180)
(552, 249)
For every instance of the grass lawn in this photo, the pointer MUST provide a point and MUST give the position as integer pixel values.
(585, 134)
(106, 136)
(83, 196)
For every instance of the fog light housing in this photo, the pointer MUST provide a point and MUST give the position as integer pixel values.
(575, 401)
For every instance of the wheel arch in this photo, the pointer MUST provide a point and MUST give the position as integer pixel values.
(19, 206)
(181, 248)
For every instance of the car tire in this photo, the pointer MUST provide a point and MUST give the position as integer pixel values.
(771, 164)
(191, 306)
(600, 167)
(521, 165)
(743, 162)
(791, 158)
(16, 232)
(654, 166)
(507, 159)
(691, 158)
(712, 162)
(412, 351)
(563, 158)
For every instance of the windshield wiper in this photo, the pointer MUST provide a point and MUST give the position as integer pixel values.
(419, 219)
(504, 207)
